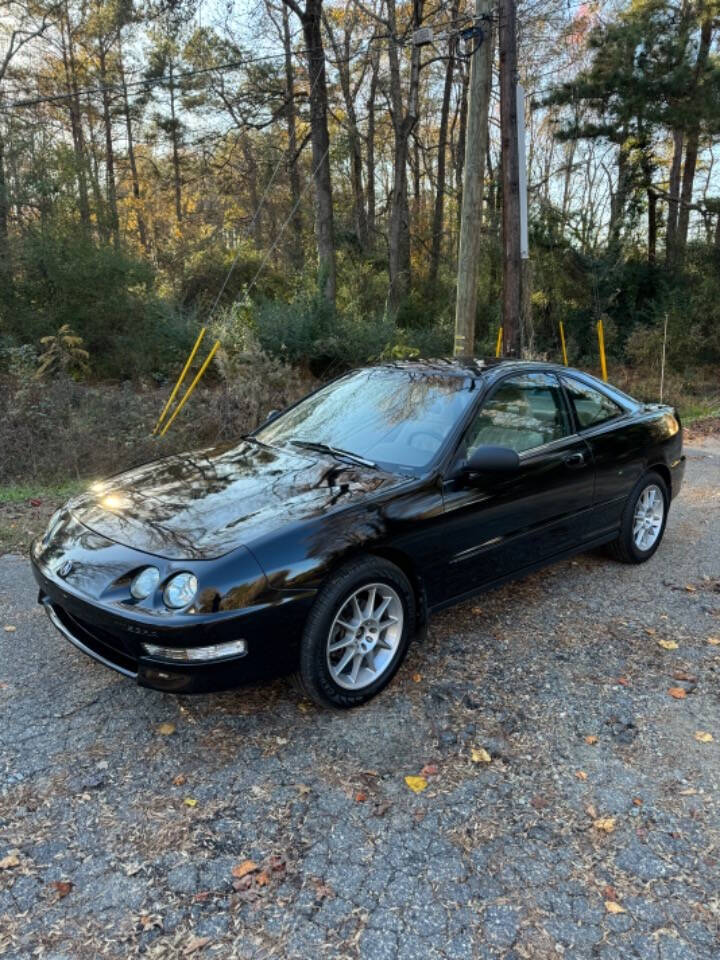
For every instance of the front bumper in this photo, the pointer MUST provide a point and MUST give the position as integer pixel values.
(677, 474)
(272, 632)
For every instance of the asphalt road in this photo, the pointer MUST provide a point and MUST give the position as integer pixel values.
(593, 831)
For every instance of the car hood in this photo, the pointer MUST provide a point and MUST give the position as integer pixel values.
(205, 504)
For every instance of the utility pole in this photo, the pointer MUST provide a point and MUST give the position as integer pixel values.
(512, 271)
(481, 45)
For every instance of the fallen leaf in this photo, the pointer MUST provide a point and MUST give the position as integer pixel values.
(591, 739)
(690, 588)
(262, 878)
(678, 693)
(581, 775)
(202, 897)
(480, 755)
(416, 784)
(612, 907)
(686, 677)
(179, 780)
(302, 788)
(606, 824)
(190, 802)
(703, 737)
(714, 641)
(10, 861)
(416, 678)
(609, 893)
(623, 681)
(690, 792)
(10, 629)
(63, 887)
(429, 770)
(637, 801)
(650, 631)
(667, 644)
(360, 797)
(277, 863)
(241, 870)
(591, 811)
(165, 729)
(194, 944)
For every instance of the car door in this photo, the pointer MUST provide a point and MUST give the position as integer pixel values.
(497, 525)
(618, 443)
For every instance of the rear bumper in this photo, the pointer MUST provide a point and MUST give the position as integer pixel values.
(272, 633)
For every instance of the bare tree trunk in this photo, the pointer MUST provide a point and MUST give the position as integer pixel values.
(109, 149)
(439, 208)
(292, 160)
(5, 251)
(251, 165)
(311, 19)
(673, 196)
(177, 182)
(343, 57)
(133, 163)
(403, 123)
(75, 115)
(652, 225)
(693, 141)
(370, 150)
(94, 172)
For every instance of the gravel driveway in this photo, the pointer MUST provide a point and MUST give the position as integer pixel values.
(571, 807)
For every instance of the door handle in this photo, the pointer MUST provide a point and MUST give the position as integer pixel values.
(575, 460)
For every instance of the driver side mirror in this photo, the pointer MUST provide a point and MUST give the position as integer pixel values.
(497, 460)
(272, 415)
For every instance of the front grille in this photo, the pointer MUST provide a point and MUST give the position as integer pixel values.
(99, 641)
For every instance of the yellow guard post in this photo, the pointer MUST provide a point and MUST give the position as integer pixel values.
(192, 386)
(562, 341)
(180, 380)
(601, 344)
(498, 345)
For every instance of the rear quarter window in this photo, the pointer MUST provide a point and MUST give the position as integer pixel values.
(591, 406)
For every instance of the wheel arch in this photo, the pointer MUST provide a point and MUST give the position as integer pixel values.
(664, 471)
(405, 562)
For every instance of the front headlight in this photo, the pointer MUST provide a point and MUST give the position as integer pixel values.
(145, 582)
(180, 590)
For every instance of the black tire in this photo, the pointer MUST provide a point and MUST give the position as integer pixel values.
(624, 548)
(314, 674)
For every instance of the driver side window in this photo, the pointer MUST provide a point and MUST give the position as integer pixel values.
(524, 412)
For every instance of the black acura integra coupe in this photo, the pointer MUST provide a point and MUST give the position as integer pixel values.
(321, 542)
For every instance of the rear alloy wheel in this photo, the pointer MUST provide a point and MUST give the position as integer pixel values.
(643, 522)
(357, 633)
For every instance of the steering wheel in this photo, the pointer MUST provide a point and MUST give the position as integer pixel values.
(436, 437)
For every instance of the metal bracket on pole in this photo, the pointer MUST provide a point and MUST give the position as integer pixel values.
(522, 173)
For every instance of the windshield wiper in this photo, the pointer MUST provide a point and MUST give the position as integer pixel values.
(335, 451)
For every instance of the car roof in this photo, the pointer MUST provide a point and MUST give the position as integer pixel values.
(471, 366)
(491, 369)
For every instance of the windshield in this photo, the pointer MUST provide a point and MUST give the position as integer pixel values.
(397, 418)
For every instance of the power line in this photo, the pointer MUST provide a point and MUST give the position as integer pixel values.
(182, 75)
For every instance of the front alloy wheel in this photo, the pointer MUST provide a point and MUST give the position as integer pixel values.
(364, 636)
(357, 632)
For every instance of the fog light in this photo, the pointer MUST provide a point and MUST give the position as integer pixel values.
(216, 651)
